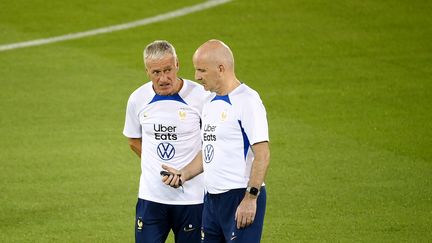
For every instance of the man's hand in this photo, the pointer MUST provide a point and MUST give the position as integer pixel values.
(245, 214)
(174, 177)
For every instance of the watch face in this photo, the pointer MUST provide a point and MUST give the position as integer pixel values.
(253, 191)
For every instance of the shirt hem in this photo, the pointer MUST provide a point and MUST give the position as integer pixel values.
(170, 202)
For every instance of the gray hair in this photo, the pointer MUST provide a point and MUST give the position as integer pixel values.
(158, 49)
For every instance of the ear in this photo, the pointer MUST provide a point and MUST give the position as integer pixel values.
(147, 72)
(177, 63)
(145, 67)
(221, 68)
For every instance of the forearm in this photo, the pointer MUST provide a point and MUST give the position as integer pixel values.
(194, 168)
(135, 145)
(188, 172)
(260, 164)
(246, 211)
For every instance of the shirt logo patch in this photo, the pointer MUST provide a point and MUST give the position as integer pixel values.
(139, 224)
(208, 153)
(166, 151)
(143, 116)
(224, 115)
(182, 114)
(188, 228)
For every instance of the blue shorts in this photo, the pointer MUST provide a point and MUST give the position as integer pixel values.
(154, 221)
(219, 223)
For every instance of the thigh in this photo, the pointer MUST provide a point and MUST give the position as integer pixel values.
(252, 233)
(187, 223)
(151, 225)
(211, 231)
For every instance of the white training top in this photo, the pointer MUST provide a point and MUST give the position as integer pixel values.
(231, 124)
(170, 130)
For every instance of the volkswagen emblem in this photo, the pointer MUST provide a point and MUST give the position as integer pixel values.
(165, 151)
(208, 153)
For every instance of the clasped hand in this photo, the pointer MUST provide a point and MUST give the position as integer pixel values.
(173, 178)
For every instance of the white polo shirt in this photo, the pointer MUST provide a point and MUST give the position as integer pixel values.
(170, 130)
(231, 124)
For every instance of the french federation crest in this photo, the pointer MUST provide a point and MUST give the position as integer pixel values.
(139, 224)
(224, 115)
(182, 114)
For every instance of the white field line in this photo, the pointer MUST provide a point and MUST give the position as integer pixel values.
(109, 29)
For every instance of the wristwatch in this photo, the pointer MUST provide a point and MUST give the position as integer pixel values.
(253, 190)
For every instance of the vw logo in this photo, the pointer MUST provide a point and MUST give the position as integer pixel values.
(165, 151)
(208, 153)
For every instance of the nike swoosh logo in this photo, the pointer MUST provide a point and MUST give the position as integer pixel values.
(232, 238)
(188, 229)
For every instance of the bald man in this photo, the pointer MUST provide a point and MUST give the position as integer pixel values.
(235, 151)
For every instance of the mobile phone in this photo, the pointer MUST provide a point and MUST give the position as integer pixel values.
(165, 173)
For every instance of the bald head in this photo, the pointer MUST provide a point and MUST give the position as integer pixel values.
(215, 52)
(214, 67)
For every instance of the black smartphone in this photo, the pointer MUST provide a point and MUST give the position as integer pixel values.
(165, 173)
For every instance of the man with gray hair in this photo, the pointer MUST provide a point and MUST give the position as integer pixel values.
(163, 127)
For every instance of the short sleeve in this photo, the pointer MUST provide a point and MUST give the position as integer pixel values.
(254, 120)
(132, 127)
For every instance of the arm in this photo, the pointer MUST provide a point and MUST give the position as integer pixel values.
(246, 211)
(135, 145)
(194, 168)
(260, 164)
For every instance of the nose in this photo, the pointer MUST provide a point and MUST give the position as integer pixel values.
(163, 76)
(197, 76)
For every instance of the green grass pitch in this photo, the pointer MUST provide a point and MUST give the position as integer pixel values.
(347, 86)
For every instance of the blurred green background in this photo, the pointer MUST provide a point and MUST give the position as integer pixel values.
(347, 86)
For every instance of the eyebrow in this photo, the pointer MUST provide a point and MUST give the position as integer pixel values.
(163, 68)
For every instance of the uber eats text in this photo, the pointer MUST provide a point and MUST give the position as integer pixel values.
(207, 136)
(163, 132)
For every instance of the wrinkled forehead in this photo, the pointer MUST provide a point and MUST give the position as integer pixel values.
(163, 62)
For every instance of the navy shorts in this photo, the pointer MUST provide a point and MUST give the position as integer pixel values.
(219, 223)
(154, 221)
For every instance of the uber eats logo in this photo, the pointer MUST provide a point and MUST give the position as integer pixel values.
(208, 133)
(163, 132)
